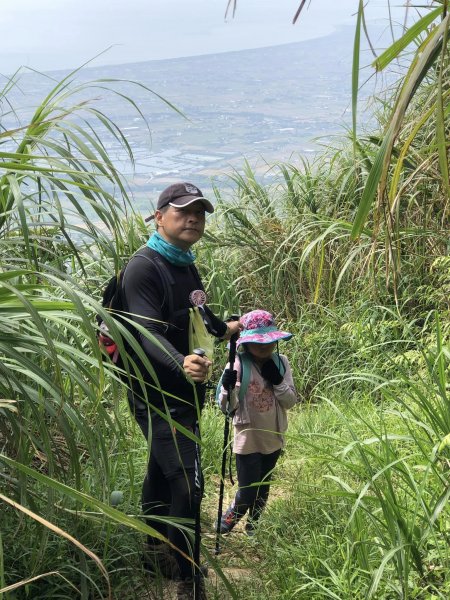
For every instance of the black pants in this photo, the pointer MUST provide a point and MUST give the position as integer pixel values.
(252, 469)
(169, 489)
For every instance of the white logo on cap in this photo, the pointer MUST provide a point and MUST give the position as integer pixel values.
(191, 189)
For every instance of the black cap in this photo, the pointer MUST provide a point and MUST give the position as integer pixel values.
(181, 194)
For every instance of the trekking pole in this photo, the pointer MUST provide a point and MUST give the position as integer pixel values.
(198, 493)
(226, 433)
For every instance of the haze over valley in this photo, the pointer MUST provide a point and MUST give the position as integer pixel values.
(265, 106)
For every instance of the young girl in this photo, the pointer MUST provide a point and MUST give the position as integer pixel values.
(259, 410)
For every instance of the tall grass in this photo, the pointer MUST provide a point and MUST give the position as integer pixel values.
(67, 440)
(361, 504)
(360, 500)
(65, 223)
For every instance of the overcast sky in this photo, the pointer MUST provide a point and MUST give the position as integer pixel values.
(59, 34)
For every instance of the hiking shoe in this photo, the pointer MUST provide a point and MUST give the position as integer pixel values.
(159, 561)
(229, 520)
(185, 590)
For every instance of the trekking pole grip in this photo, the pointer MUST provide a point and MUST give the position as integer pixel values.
(199, 351)
(233, 340)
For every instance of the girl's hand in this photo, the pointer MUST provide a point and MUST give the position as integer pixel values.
(229, 379)
(271, 373)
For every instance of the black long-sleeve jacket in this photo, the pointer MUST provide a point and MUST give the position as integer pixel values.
(147, 296)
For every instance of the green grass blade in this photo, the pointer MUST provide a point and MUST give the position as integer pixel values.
(411, 34)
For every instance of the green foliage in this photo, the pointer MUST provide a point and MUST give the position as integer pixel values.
(359, 502)
(61, 229)
(369, 359)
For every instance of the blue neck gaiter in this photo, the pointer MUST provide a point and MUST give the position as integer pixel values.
(172, 253)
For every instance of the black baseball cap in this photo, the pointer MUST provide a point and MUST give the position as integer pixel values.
(181, 194)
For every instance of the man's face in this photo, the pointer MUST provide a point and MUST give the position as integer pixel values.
(182, 226)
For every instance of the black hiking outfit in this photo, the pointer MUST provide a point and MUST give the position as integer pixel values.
(163, 307)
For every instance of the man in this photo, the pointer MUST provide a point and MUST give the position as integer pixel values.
(160, 285)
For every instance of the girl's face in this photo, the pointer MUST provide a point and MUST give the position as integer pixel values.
(261, 352)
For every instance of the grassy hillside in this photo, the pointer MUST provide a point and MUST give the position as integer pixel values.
(351, 253)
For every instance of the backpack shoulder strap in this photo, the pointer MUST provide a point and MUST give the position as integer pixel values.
(279, 363)
(246, 367)
(168, 281)
(196, 274)
(164, 273)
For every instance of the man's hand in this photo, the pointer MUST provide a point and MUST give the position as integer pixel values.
(271, 373)
(232, 328)
(196, 367)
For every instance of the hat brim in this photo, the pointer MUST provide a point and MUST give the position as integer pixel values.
(186, 200)
(263, 338)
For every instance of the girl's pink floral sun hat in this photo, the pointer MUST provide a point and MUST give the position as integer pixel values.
(259, 328)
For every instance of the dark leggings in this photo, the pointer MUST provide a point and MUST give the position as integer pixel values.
(251, 469)
(169, 487)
